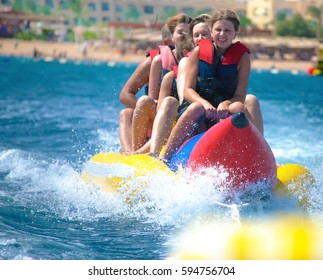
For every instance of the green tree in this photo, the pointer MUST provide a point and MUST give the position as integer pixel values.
(119, 34)
(317, 14)
(31, 6)
(75, 6)
(281, 17)
(296, 26)
(133, 14)
(89, 36)
(244, 21)
(18, 5)
(27, 35)
(46, 10)
(76, 10)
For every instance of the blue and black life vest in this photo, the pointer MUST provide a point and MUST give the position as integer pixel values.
(218, 77)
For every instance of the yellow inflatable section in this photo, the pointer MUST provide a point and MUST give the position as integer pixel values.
(285, 237)
(109, 171)
(294, 180)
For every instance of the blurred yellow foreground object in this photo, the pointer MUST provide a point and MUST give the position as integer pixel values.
(282, 238)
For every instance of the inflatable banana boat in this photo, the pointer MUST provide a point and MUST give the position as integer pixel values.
(233, 144)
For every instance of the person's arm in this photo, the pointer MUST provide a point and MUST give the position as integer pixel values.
(243, 78)
(182, 66)
(165, 88)
(137, 80)
(155, 76)
(241, 90)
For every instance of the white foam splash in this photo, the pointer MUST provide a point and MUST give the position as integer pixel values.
(163, 199)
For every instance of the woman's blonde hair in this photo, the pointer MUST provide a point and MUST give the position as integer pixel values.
(226, 14)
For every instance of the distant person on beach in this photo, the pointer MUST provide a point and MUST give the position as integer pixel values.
(138, 80)
(84, 50)
(215, 85)
(36, 53)
(16, 44)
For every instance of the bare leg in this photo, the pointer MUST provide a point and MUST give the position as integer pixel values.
(237, 107)
(182, 128)
(125, 129)
(254, 113)
(142, 122)
(163, 124)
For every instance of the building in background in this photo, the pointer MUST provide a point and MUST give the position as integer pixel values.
(260, 12)
(137, 22)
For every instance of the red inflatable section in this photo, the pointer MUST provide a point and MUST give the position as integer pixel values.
(235, 144)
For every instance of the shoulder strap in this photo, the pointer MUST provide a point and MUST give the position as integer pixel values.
(175, 71)
(152, 53)
(234, 53)
(206, 51)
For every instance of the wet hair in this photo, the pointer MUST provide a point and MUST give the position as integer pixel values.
(166, 35)
(185, 43)
(176, 20)
(224, 14)
(202, 18)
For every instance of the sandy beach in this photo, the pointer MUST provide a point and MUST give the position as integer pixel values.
(103, 52)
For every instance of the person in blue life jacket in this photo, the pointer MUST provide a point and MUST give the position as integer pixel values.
(138, 80)
(146, 107)
(216, 80)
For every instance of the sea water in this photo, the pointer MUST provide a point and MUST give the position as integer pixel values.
(55, 116)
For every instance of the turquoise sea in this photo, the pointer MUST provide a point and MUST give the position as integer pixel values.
(55, 116)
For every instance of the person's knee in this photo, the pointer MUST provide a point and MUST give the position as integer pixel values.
(126, 114)
(237, 107)
(169, 104)
(145, 101)
(251, 100)
(196, 108)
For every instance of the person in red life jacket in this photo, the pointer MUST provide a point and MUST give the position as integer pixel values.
(137, 80)
(216, 80)
(199, 30)
(170, 101)
(146, 107)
